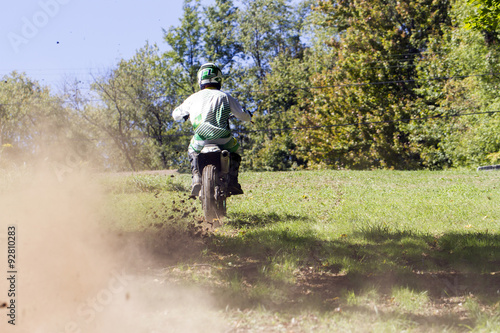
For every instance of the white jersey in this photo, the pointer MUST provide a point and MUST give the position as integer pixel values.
(209, 111)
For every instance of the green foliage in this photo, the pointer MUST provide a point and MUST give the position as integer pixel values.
(34, 124)
(269, 28)
(186, 47)
(484, 18)
(353, 119)
(278, 77)
(136, 95)
(220, 39)
(205, 35)
(272, 145)
(332, 84)
(449, 138)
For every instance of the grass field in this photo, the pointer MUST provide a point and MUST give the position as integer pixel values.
(324, 251)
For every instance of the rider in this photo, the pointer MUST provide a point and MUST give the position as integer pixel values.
(209, 110)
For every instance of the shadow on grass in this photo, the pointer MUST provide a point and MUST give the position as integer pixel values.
(246, 219)
(296, 269)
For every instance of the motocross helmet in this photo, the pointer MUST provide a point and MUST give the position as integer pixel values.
(209, 75)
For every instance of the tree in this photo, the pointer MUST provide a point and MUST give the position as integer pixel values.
(270, 85)
(186, 45)
(154, 95)
(221, 45)
(31, 120)
(272, 145)
(268, 28)
(485, 18)
(138, 97)
(354, 116)
(117, 116)
(460, 130)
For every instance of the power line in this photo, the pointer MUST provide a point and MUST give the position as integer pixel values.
(299, 128)
(366, 122)
(360, 84)
(340, 85)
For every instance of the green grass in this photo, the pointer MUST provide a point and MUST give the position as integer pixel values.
(374, 251)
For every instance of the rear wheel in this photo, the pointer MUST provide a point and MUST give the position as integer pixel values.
(213, 208)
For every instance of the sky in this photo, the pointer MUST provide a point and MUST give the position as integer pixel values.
(56, 40)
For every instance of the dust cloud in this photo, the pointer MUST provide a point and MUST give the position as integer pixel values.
(72, 276)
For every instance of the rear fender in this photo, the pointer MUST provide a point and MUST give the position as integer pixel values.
(205, 159)
(212, 154)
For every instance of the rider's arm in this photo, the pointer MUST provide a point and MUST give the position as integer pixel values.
(180, 113)
(237, 110)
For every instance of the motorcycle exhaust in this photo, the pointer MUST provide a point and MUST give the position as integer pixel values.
(224, 161)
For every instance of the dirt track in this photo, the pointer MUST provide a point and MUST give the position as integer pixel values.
(75, 277)
(147, 172)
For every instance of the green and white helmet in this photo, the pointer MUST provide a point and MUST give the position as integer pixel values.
(209, 73)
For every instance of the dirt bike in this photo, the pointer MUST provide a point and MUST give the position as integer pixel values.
(213, 164)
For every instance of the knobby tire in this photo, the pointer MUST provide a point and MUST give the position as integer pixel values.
(213, 209)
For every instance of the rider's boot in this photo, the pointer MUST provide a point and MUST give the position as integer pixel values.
(234, 185)
(196, 177)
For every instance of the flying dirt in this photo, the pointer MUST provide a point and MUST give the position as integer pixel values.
(74, 275)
